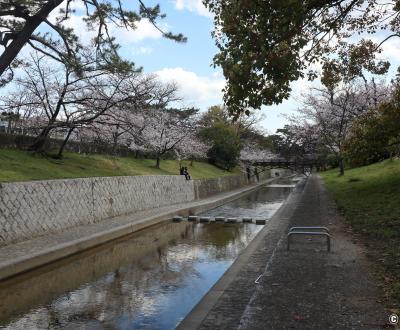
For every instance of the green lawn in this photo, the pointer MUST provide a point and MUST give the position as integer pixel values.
(369, 197)
(16, 165)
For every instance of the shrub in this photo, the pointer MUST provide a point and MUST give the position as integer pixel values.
(226, 145)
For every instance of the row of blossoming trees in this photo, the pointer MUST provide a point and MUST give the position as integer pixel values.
(354, 123)
(120, 108)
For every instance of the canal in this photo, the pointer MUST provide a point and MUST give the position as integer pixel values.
(147, 280)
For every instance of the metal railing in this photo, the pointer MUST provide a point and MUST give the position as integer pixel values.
(309, 231)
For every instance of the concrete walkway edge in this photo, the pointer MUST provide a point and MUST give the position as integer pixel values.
(306, 287)
(194, 319)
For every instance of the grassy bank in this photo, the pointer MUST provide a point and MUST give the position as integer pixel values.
(16, 165)
(369, 197)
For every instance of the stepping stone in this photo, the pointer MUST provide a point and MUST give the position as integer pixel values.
(205, 219)
(219, 219)
(231, 220)
(192, 218)
(247, 220)
(260, 222)
(177, 218)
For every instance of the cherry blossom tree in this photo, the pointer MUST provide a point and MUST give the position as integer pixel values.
(124, 124)
(66, 101)
(327, 114)
(165, 130)
(252, 152)
(191, 148)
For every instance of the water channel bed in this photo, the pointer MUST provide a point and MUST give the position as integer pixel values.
(148, 280)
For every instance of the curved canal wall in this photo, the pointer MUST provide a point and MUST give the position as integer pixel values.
(35, 208)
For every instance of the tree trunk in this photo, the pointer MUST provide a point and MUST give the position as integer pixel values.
(158, 162)
(9, 125)
(114, 146)
(341, 166)
(38, 144)
(59, 155)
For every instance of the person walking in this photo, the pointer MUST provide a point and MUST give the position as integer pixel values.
(186, 173)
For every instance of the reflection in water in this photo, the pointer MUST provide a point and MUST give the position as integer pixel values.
(149, 280)
(261, 204)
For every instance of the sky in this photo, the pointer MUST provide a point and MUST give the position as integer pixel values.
(189, 65)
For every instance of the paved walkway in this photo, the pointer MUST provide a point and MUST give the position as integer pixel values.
(304, 288)
(21, 257)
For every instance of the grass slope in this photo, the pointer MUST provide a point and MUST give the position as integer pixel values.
(16, 165)
(369, 197)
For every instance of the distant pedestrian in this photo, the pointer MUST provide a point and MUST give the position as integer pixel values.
(256, 174)
(186, 173)
(182, 170)
(248, 172)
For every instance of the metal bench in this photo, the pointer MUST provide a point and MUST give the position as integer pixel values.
(308, 231)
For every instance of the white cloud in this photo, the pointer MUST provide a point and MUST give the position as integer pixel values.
(193, 6)
(204, 91)
(144, 30)
(75, 5)
(200, 91)
(142, 50)
(390, 49)
(76, 22)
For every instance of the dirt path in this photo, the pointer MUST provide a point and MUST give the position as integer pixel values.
(306, 287)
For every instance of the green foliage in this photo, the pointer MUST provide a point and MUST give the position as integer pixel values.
(376, 134)
(245, 125)
(351, 63)
(226, 145)
(17, 165)
(215, 114)
(266, 44)
(258, 138)
(275, 142)
(286, 143)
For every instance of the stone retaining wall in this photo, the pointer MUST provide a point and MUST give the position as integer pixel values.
(30, 209)
(209, 187)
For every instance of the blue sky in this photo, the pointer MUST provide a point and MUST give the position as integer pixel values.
(195, 55)
(190, 64)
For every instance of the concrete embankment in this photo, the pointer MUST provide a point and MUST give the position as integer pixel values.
(35, 208)
(307, 287)
(23, 256)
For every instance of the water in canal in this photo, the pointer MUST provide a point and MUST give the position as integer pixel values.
(148, 280)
